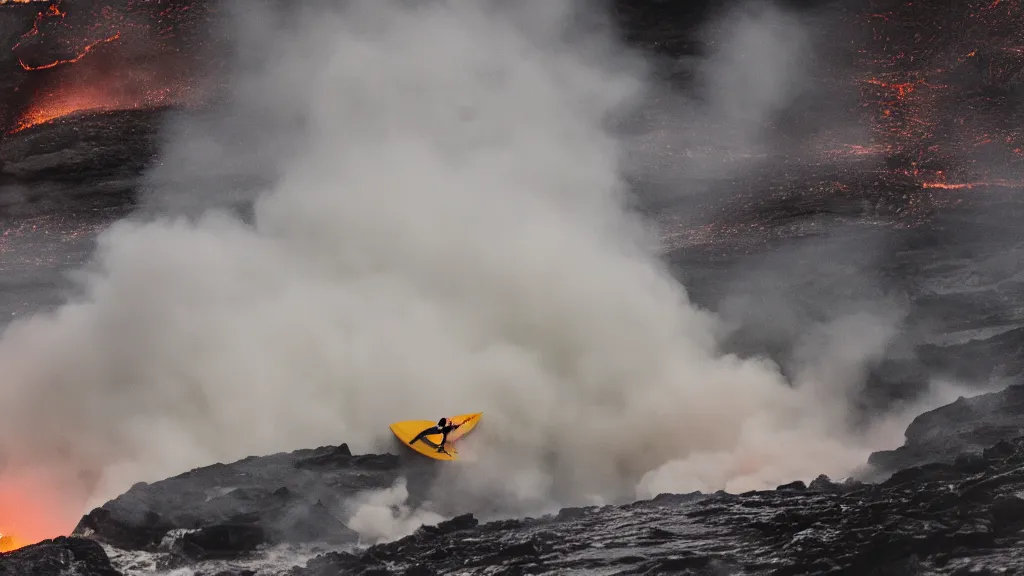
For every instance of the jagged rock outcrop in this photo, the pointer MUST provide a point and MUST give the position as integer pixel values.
(225, 511)
(60, 556)
(968, 425)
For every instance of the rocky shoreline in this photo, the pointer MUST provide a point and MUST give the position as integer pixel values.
(950, 505)
(941, 518)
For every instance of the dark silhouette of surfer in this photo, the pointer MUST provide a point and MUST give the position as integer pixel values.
(444, 427)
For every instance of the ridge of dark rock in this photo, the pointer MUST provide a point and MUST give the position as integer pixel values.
(225, 511)
(952, 497)
(63, 556)
(966, 426)
(940, 518)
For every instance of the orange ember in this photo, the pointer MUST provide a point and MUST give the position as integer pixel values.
(77, 99)
(936, 93)
(902, 88)
(971, 185)
(8, 543)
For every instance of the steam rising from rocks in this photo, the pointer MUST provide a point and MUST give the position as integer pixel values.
(445, 231)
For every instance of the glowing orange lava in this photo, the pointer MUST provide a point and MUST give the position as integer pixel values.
(8, 543)
(85, 52)
(902, 88)
(32, 509)
(67, 101)
(98, 69)
(971, 185)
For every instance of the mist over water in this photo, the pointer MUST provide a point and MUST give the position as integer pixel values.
(445, 232)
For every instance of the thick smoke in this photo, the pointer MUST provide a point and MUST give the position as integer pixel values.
(445, 233)
(384, 515)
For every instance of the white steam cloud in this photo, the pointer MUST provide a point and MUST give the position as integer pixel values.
(445, 233)
(384, 515)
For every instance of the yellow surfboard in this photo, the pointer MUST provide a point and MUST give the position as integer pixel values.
(408, 429)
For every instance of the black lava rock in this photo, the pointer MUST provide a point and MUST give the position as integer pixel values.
(226, 510)
(60, 556)
(941, 515)
(223, 541)
(968, 425)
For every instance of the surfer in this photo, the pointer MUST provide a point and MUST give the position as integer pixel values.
(444, 427)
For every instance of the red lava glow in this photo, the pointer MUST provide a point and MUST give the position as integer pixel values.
(109, 59)
(971, 185)
(68, 100)
(30, 512)
(934, 92)
(8, 543)
(85, 52)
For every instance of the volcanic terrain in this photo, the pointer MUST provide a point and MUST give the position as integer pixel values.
(891, 174)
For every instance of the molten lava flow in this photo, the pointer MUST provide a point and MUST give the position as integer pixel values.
(53, 11)
(937, 83)
(970, 185)
(85, 51)
(66, 101)
(105, 57)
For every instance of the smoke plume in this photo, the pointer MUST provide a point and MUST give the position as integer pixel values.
(384, 515)
(444, 232)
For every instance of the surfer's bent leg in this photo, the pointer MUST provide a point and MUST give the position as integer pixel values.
(427, 432)
(444, 440)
